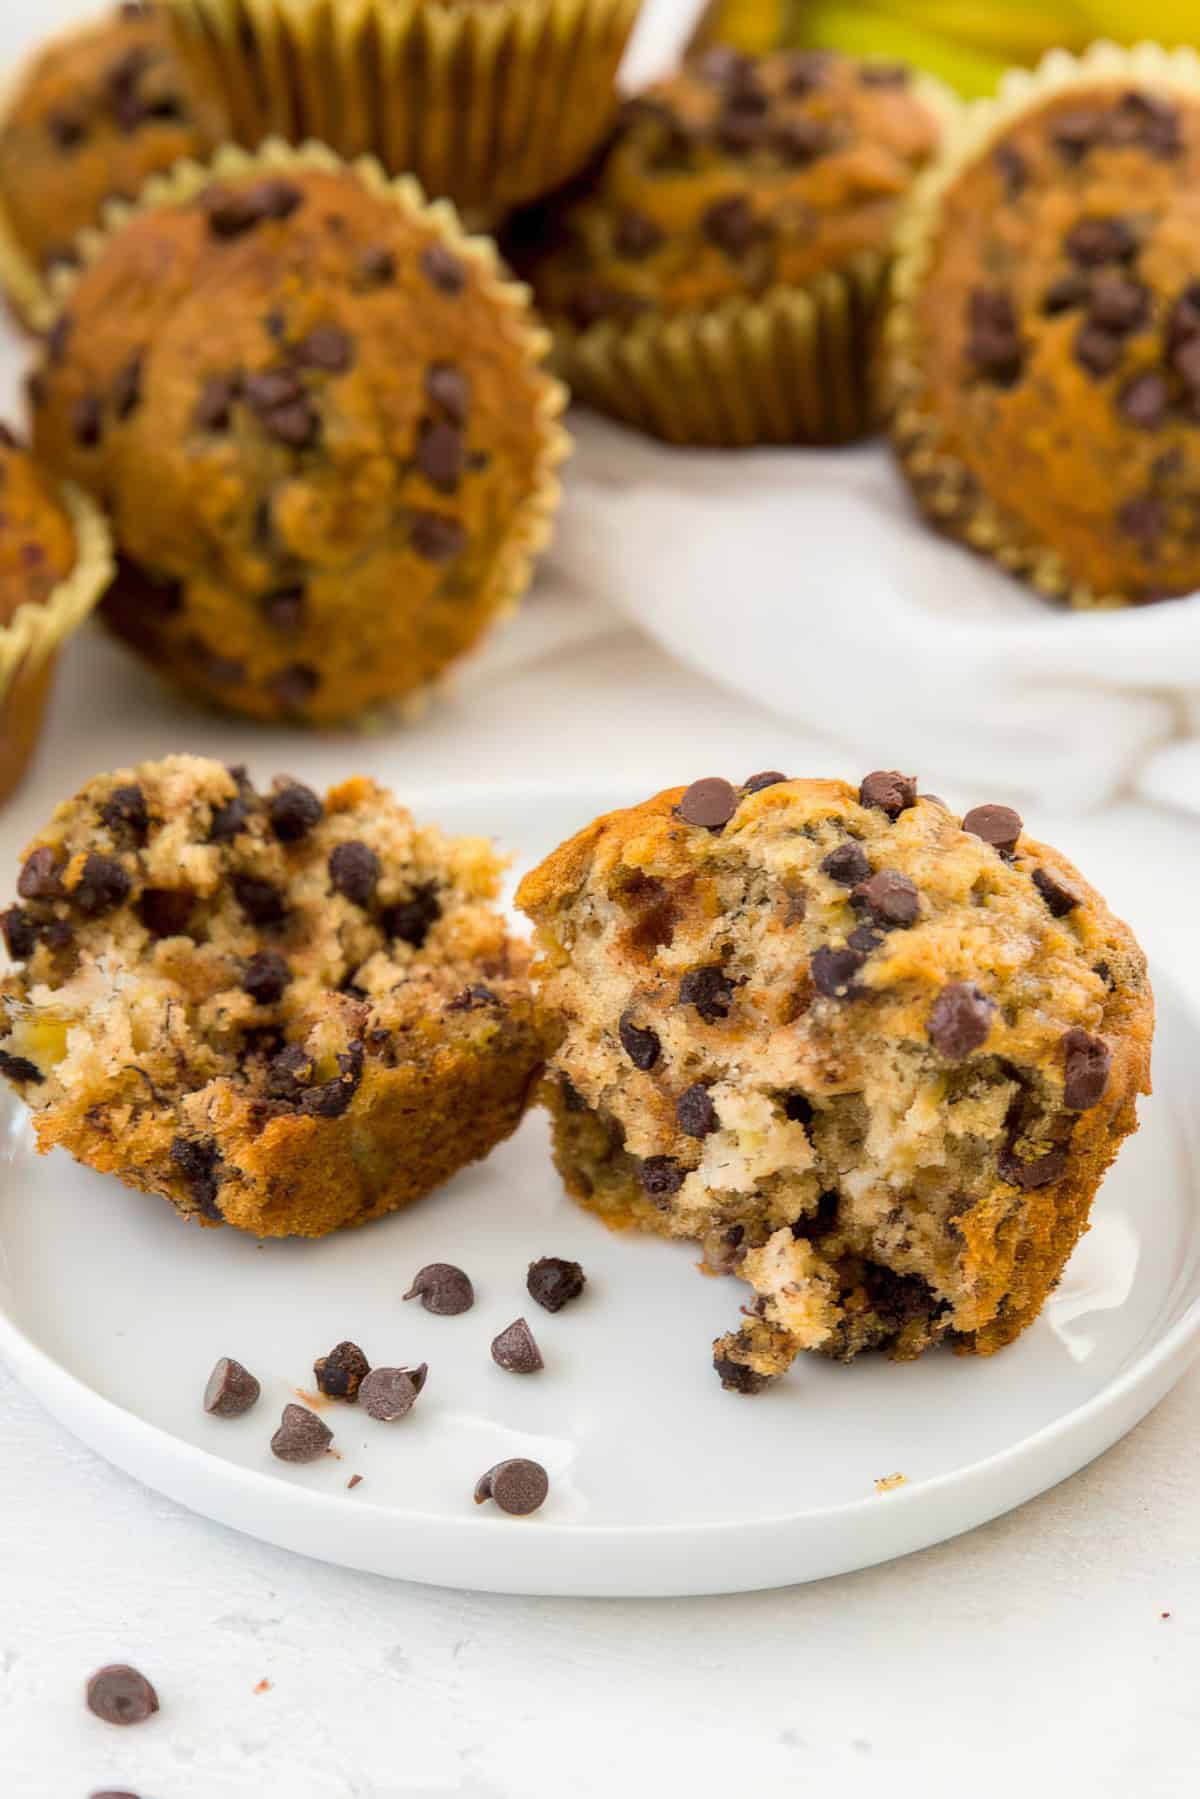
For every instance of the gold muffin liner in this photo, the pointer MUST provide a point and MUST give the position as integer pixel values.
(488, 102)
(21, 279)
(792, 367)
(948, 491)
(30, 642)
(533, 521)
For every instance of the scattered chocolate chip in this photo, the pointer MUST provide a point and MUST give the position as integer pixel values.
(231, 1389)
(440, 454)
(994, 343)
(21, 1070)
(442, 1288)
(847, 864)
(283, 609)
(437, 537)
(833, 971)
(87, 421)
(354, 871)
(736, 1377)
(695, 1113)
(553, 1281)
(198, 1159)
(412, 920)
(165, 910)
(518, 1487)
(301, 1436)
(1087, 1062)
(124, 811)
(127, 386)
(265, 977)
(328, 348)
(640, 1043)
(889, 792)
(1145, 400)
(1012, 168)
(516, 1350)
(41, 875)
(959, 1020)
(294, 811)
(341, 1373)
(387, 1394)
(998, 825)
(447, 388)
(260, 900)
(770, 777)
(730, 224)
(1058, 894)
(294, 685)
(661, 1176)
(709, 803)
(890, 897)
(20, 930)
(709, 989)
(443, 269)
(233, 212)
(103, 885)
(215, 402)
(377, 266)
(118, 1694)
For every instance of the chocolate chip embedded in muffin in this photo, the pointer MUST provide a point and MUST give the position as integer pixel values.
(554, 1281)
(354, 871)
(998, 825)
(960, 1020)
(294, 810)
(887, 791)
(710, 804)
(641, 1046)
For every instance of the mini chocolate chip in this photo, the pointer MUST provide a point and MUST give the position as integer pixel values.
(736, 1377)
(290, 1073)
(125, 811)
(260, 900)
(66, 128)
(721, 66)
(283, 406)
(377, 266)
(354, 870)
(994, 342)
(1118, 304)
(341, 1373)
(1058, 894)
(442, 269)
(294, 811)
(884, 74)
(695, 1113)
(231, 213)
(661, 1176)
(103, 885)
(165, 910)
(797, 1109)
(889, 792)
(1074, 133)
(87, 421)
(1030, 1175)
(730, 225)
(387, 1394)
(1066, 293)
(770, 777)
(998, 825)
(1087, 1062)
(413, 919)
(890, 897)
(1183, 320)
(709, 989)
(1186, 363)
(864, 939)
(283, 609)
(265, 977)
(231, 1389)
(1012, 169)
(215, 402)
(474, 999)
(332, 1098)
(301, 1437)
(801, 141)
(847, 864)
(449, 389)
(127, 386)
(709, 803)
(640, 1043)
(553, 1281)
(1145, 400)
(327, 347)
(199, 1159)
(41, 875)
(1144, 518)
(833, 971)
(294, 685)
(57, 340)
(516, 1350)
(517, 1487)
(437, 537)
(805, 70)
(20, 931)
(1095, 241)
(636, 236)
(439, 454)
(442, 1288)
(228, 820)
(959, 1020)
(20, 1069)
(119, 1694)
(1096, 350)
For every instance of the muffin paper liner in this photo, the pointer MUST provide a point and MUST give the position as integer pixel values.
(945, 488)
(30, 642)
(531, 526)
(488, 102)
(23, 283)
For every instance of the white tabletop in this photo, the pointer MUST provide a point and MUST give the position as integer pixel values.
(1054, 1650)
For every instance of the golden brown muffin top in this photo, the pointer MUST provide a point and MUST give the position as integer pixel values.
(1056, 333)
(731, 177)
(97, 112)
(37, 539)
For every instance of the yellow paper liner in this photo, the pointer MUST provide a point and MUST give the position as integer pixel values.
(531, 526)
(943, 486)
(30, 642)
(488, 102)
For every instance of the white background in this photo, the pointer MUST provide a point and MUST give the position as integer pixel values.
(1031, 1655)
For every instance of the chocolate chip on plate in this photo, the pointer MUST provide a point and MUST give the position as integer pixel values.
(1087, 1061)
(120, 1695)
(442, 1288)
(231, 1389)
(517, 1487)
(639, 1042)
(888, 791)
(695, 1113)
(959, 1020)
(709, 803)
(516, 1350)
(998, 825)
(553, 1281)
(340, 1374)
(301, 1436)
(387, 1394)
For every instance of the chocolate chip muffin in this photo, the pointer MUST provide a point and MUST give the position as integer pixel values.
(1044, 353)
(744, 209)
(873, 1057)
(282, 1013)
(317, 415)
(94, 115)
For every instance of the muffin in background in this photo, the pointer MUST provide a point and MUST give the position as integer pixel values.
(715, 278)
(317, 414)
(93, 115)
(489, 103)
(1043, 352)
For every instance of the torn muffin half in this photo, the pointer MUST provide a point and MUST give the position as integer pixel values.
(875, 1058)
(281, 1012)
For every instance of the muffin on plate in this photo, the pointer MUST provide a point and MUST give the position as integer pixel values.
(715, 278)
(487, 102)
(282, 1013)
(91, 117)
(1043, 354)
(875, 1058)
(55, 562)
(317, 415)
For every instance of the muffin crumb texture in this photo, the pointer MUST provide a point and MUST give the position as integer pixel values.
(279, 1012)
(875, 1059)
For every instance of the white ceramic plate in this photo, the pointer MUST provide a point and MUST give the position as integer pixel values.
(114, 1313)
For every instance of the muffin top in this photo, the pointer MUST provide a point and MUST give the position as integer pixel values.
(96, 113)
(732, 176)
(1053, 336)
(37, 539)
(318, 419)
